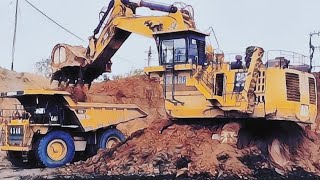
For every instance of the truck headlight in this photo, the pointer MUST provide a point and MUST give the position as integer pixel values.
(304, 110)
(16, 130)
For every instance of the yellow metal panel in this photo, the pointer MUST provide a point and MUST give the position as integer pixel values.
(104, 115)
(44, 92)
(14, 148)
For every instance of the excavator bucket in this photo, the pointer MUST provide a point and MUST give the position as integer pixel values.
(71, 65)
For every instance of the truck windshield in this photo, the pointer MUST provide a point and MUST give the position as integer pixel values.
(36, 108)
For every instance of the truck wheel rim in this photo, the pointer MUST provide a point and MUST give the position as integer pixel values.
(57, 150)
(112, 142)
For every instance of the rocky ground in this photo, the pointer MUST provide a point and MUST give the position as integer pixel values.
(194, 149)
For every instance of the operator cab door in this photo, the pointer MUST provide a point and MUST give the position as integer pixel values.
(179, 48)
(173, 52)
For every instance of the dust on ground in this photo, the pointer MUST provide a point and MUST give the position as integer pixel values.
(7, 171)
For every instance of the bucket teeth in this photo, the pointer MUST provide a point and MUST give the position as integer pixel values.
(89, 85)
(59, 83)
(68, 83)
(76, 75)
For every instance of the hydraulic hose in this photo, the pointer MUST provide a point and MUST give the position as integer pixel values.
(111, 4)
(151, 5)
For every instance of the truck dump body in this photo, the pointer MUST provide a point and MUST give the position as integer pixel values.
(93, 116)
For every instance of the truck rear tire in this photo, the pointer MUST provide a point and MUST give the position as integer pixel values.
(110, 139)
(55, 149)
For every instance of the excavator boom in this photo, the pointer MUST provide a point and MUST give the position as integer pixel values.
(79, 65)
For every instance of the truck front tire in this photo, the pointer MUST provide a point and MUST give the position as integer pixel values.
(55, 149)
(110, 139)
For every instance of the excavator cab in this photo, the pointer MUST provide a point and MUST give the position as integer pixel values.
(181, 55)
(182, 47)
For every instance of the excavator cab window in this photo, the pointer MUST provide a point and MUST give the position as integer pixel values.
(193, 52)
(174, 51)
(219, 84)
(184, 47)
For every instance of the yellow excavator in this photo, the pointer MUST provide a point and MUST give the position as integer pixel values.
(197, 84)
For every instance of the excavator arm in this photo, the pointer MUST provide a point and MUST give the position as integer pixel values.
(77, 65)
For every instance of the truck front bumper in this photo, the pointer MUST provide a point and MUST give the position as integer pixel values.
(14, 148)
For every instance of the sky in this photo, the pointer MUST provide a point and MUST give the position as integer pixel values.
(271, 24)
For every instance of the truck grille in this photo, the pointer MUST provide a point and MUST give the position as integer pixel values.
(15, 137)
(293, 87)
(312, 91)
(2, 137)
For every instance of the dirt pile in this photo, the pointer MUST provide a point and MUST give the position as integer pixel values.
(13, 81)
(180, 149)
(140, 90)
(189, 150)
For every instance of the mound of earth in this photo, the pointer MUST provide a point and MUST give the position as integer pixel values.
(140, 90)
(192, 149)
(13, 81)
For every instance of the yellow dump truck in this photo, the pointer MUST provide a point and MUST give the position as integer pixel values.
(49, 127)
